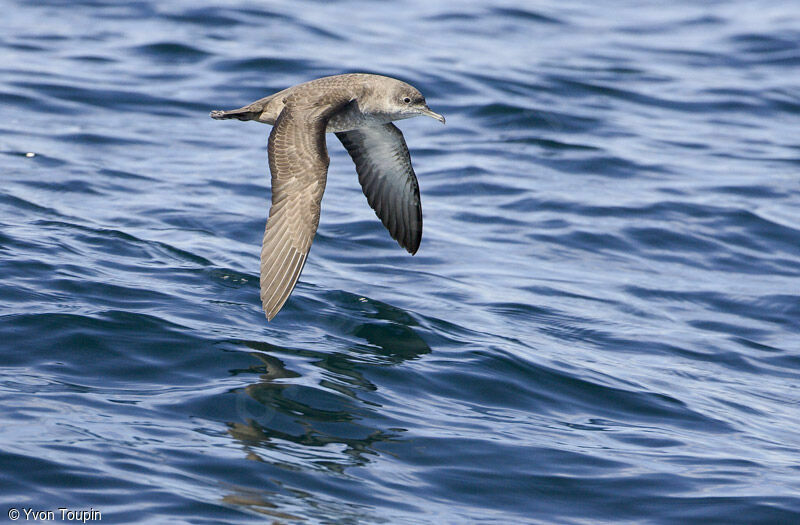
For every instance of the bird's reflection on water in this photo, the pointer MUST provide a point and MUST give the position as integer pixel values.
(324, 418)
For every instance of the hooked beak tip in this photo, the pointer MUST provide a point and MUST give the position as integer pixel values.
(430, 113)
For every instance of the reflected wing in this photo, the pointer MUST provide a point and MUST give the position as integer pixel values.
(298, 162)
(388, 180)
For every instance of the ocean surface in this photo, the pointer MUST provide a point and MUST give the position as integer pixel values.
(602, 324)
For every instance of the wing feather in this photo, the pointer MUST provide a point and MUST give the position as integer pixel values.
(387, 178)
(298, 162)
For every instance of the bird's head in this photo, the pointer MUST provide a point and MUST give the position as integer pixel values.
(401, 101)
(409, 102)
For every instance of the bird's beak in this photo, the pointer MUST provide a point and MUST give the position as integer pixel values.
(428, 112)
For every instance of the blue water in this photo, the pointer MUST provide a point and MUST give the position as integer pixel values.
(602, 324)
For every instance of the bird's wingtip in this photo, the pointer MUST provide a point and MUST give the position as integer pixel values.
(270, 315)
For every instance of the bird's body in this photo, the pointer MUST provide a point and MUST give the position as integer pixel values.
(360, 109)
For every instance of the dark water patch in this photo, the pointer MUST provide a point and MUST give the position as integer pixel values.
(16, 99)
(593, 241)
(471, 183)
(323, 33)
(272, 64)
(524, 14)
(731, 360)
(706, 19)
(744, 509)
(17, 203)
(745, 264)
(180, 220)
(240, 188)
(783, 100)
(95, 139)
(785, 365)
(482, 484)
(647, 441)
(740, 408)
(107, 294)
(605, 165)
(445, 86)
(690, 57)
(687, 145)
(728, 104)
(171, 52)
(70, 186)
(123, 175)
(673, 241)
(220, 17)
(451, 17)
(393, 339)
(758, 191)
(48, 473)
(507, 117)
(660, 211)
(258, 15)
(25, 47)
(755, 345)
(36, 103)
(149, 342)
(781, 236)
(732, 329)
(517, 82)
(559, 292)
(43, 37)
(117, 99)
(766, 44)
(482, 218)
(770, 308)
(94, 59)
(552, 144)
(670, 24)
(113, 11)
(122, 244)
(566, 393)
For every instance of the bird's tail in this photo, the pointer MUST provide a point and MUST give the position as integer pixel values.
(240, 114)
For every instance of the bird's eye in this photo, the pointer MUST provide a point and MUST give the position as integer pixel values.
(407, 100)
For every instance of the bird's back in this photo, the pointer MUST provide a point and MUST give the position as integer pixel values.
(267, 109)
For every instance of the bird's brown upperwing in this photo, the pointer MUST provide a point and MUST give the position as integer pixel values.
(298, 162)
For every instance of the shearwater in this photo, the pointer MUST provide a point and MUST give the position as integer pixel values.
(359, 108)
